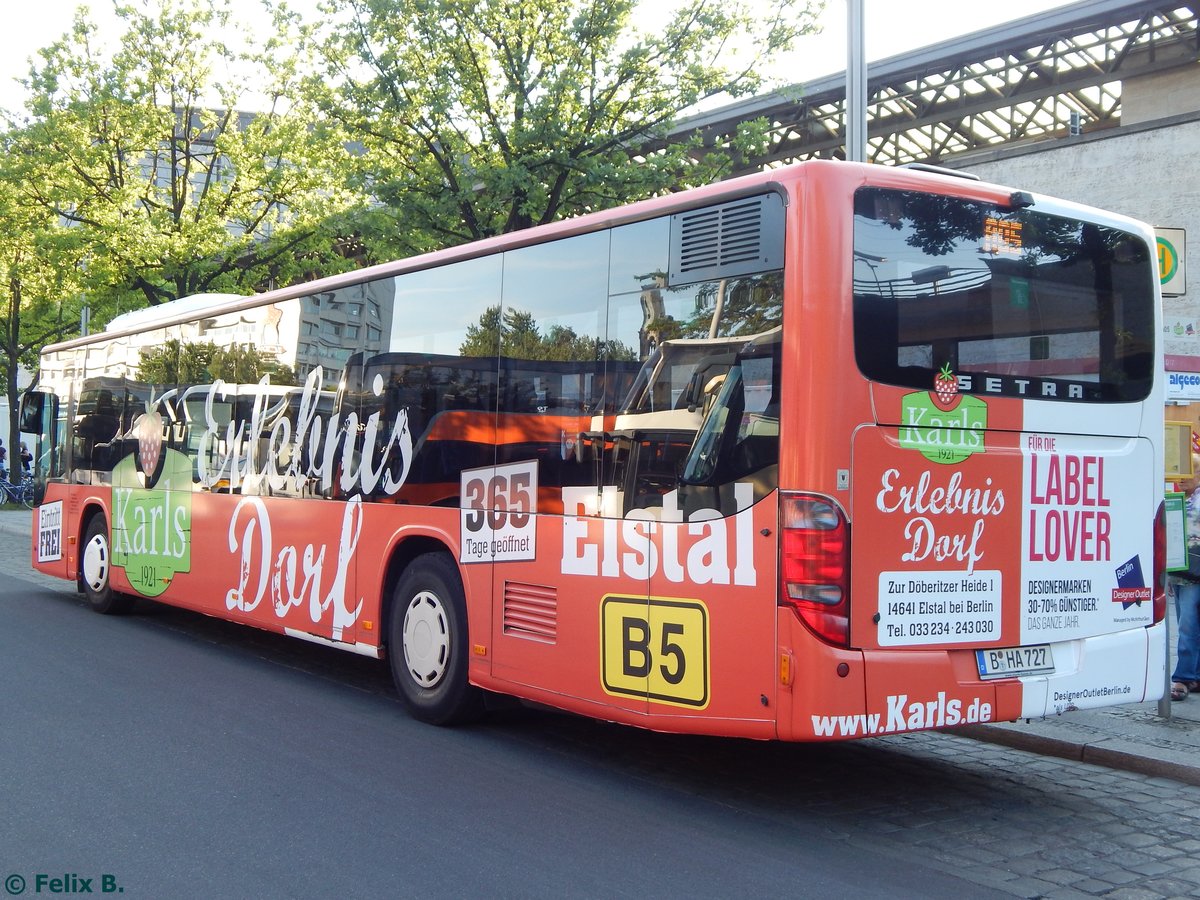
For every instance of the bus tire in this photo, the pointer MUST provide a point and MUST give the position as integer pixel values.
(427, 643)
(95, 567)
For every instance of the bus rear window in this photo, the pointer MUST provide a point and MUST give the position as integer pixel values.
(1030, 304)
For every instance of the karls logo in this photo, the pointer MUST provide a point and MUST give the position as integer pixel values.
(152, 528)
(943, 426)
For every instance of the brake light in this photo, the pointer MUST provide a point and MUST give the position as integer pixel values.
(1160, 564)
(815, 565)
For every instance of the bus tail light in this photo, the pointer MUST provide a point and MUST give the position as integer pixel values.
(1160, 564)
(815, 565)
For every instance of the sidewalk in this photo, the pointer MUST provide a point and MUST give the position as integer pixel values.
(1134, 737)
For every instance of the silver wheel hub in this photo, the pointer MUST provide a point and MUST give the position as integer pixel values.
(95, 563)
(426, 639)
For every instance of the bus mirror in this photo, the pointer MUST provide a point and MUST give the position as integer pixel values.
(711, 390)
(32, 404)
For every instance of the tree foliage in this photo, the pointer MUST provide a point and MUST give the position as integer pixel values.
(149, 152)
(176, 362)
(40, 281)
(516, 335)
(173, 161)
(740, 306)
(478, 117)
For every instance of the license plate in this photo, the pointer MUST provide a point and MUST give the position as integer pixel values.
(1008, 662)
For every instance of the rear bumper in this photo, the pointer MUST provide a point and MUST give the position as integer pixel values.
(1125, 667)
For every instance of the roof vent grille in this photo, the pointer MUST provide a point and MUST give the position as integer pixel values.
(736, 238)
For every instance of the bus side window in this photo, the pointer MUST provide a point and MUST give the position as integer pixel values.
(738, 442)
(96, 430)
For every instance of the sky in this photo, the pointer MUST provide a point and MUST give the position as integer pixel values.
(891, 27)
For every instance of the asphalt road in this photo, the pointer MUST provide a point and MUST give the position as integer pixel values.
(164, 754)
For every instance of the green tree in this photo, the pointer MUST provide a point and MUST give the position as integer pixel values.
(740, 307)
(176, 362)
(477, 117)
(516, 334)
(38, 270)
(173, 187)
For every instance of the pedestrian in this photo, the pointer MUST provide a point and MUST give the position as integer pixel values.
(3, 461)
(1186, 677)
(26, 459)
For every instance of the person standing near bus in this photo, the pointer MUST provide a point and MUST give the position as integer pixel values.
(1186, 677)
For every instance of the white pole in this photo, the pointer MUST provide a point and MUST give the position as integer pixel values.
(856, 83)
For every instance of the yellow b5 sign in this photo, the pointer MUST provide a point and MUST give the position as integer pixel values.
(657, 649)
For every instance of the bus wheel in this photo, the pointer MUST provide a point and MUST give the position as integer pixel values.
(427, 643)
(95, 566)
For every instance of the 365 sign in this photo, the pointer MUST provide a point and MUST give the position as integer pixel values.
(497, 518)
(1171, 272)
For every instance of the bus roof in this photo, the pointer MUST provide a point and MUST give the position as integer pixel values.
(746, 185)
(169, 312)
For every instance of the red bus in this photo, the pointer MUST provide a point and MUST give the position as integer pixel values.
(830, 451)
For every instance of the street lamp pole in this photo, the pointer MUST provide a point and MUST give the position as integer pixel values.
(856, 83)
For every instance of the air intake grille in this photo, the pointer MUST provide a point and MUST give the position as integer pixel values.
(531, 611)
(736, 238)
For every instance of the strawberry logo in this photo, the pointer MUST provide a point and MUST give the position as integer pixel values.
(148, 429)
(945, 385)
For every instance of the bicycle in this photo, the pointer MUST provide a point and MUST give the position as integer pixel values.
(17, 493)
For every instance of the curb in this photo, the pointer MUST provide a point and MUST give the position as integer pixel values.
(1104, 752)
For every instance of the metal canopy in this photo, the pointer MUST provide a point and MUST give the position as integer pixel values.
(1031, 79)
